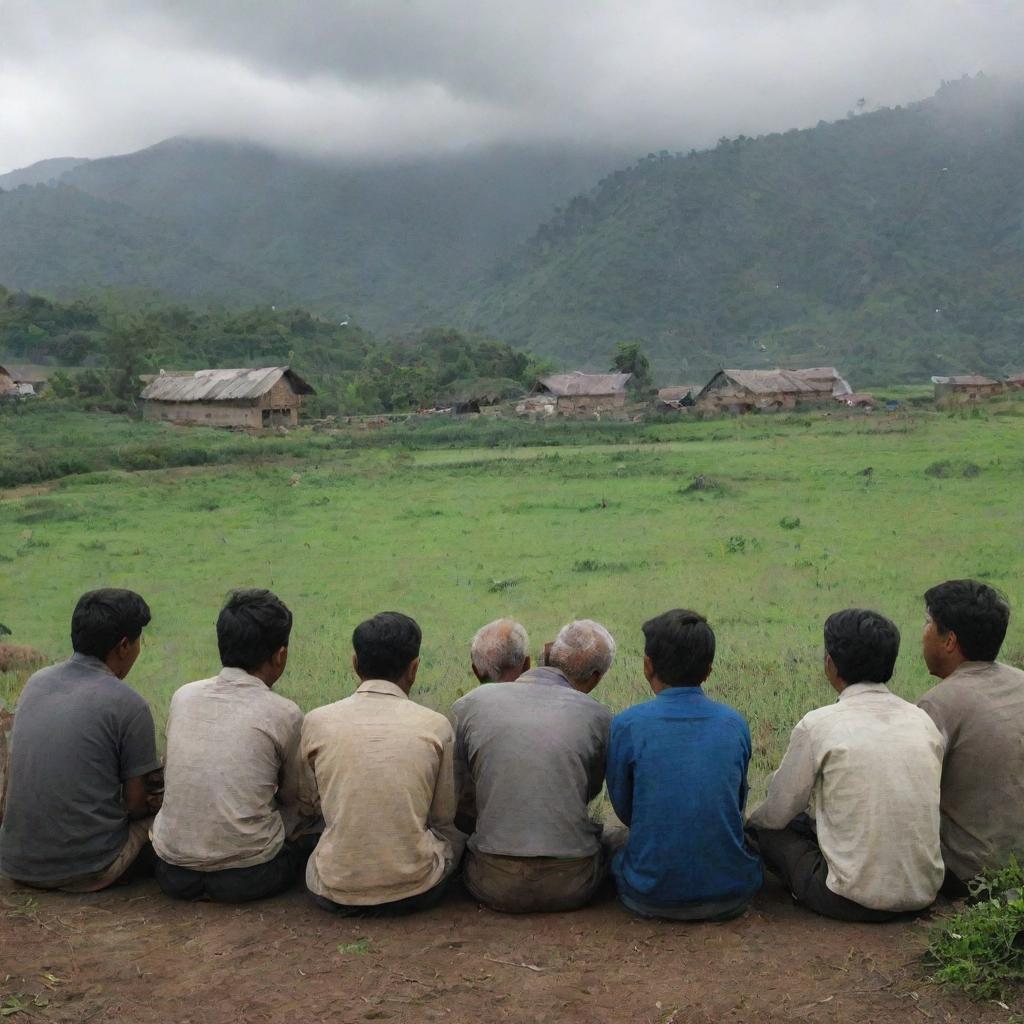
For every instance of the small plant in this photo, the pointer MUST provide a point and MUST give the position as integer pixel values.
(358, 948)
(971, 470)
(939, 470)
(789, 522)
(981, 949)
(500, 586)
(736, 545)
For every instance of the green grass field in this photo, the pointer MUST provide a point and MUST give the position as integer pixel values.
(791, 526)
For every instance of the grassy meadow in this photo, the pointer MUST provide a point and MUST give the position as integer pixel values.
(798, 516)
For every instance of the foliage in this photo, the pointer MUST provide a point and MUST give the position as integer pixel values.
(629, 358)
(981, 949)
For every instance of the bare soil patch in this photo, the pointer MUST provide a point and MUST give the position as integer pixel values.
(131, 955)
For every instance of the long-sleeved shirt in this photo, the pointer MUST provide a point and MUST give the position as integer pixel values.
(979, 709)
(867, 769)
(677, 776)
(231, 781)
(533, 752)
(380, 770)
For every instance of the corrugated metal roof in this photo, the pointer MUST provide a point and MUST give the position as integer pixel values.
(769, 382)
(573, 384)
(220, 385)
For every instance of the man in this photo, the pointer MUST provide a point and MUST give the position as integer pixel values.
(979, 709)
(534, 752)
(677, 776)
(77, 814)
(233, 769)
(500, 652)
(867, 770)
(380, 768)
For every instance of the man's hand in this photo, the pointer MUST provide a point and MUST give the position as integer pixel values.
(154, 783)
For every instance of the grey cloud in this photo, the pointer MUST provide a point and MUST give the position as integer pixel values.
(360, 77)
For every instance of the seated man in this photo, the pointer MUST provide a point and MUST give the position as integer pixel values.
(232, 775)
(677, 776)
(380, 769)
(500, 652)
(979, 709)
(77, 815)
(866, 769)
(534, 753)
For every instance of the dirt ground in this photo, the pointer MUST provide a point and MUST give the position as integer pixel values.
(132, 955)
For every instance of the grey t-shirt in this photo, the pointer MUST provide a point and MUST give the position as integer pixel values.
(534, 750)
(79, 734)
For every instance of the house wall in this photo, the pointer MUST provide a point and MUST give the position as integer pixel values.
(734, 398)
(967, 392)
(280, 405)
(583, 405)
(211, 414)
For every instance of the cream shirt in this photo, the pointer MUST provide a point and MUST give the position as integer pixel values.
(867, 768)
(380, 769)
(231, 779)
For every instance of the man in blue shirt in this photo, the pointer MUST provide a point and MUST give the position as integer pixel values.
(677, 776)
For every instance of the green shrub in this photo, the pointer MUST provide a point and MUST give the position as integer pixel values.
(789, 522)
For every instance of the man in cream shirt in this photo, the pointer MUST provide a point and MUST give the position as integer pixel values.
(867, 770)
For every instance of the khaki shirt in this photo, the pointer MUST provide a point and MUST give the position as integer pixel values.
(979, 709)
(379, 768)
(867, 769)
(231, 780)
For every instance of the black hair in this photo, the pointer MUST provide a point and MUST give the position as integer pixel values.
(103, 618)
(251, 627)
(386, 645)
(862, 644)
(977, 613)
(681, 646)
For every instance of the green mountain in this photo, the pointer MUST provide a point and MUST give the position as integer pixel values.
(890, 244)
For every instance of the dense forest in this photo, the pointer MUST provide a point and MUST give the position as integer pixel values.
(111, 345)
(890, 243)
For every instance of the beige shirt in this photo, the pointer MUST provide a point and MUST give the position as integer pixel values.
(231, 780)
(380, 771)
(867, 768)
(979, 710)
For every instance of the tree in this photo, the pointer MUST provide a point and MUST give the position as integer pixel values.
(630, 358)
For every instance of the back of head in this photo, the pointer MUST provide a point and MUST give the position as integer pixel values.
(499, 647)
(977, 613)
(582, 648)
(862, 644)
(681, 646)
(252, 626)
(386, 645)
(103, 618)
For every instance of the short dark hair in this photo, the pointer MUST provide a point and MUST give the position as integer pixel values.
(103, 618)
(681, 646)
(976, 612)
(386, 645)
(251, 627)
(862, 644)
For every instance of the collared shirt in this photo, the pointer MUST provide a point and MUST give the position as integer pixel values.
(979, 709)
(231, 780)
(379, 766)
(677, 776)
(79, 735)
(867, 768)
(534, 752)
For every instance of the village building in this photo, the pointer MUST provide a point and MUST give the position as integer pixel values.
(748, 390)
(966, 388)
(576, 394)
(269, 396)
(677, 397)
(8, 389)
(1015, 380)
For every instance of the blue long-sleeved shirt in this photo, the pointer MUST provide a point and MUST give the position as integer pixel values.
(677, 776)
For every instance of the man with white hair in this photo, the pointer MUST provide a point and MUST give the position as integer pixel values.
(534, 753)
(500, 652)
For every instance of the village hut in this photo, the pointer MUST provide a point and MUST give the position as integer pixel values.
(1015, 380)
(966, 388)
(746, 390)
(269, 396)
(677, 397)
(578, 394)
(8, 389)
(827, 379)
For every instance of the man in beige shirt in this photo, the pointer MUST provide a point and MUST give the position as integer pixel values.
(979, 709)
(380, 769)
(866, 771)
(232, 776)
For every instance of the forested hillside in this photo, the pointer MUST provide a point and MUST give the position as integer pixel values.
(890, 243)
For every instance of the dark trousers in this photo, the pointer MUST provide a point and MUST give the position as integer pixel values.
(397, 908)
(953, 888)
(237, 885)
(793, 854)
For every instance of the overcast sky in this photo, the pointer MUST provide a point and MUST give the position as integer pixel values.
(384, 77)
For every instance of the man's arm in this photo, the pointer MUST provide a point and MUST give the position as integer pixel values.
(790, 790)
(138, 760)
(619, 773)
(136, 802)
(441, 818)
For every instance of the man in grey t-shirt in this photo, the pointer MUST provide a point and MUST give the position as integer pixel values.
(534, 751)
(77, 812)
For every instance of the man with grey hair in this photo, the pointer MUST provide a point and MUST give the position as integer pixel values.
(534, 751)
(500, 652)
